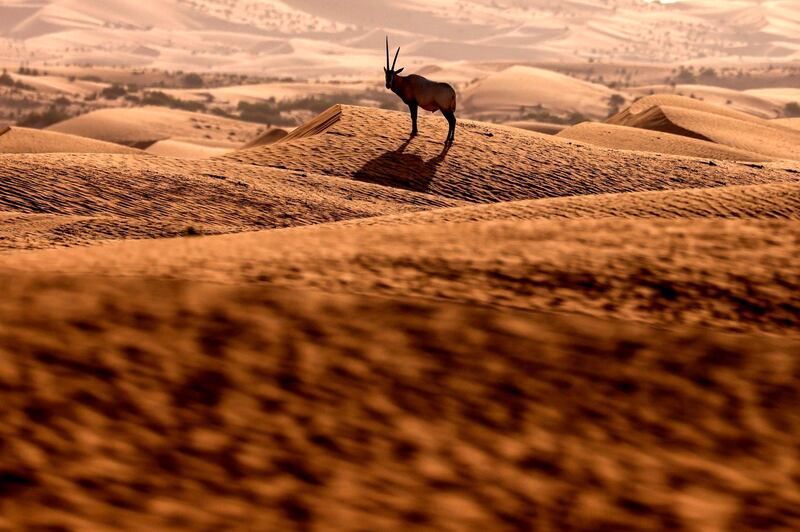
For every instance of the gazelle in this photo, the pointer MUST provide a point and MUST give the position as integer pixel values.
(416, 92)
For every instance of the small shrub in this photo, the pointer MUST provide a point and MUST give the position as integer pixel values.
(42, 120)
(113, 92)
(792, 110)
(192, 81)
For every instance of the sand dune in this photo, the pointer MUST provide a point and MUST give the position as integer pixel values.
(241, 422)
(539, 127)
(142, 127)
(750, 102)
(507, 91)
(120, 196)
(645, 140)
(269, 137)
(687, 117)
(187, 148)
(24, 140)
(486, 164)
(719, 273)
(737, 202)
(793, 123)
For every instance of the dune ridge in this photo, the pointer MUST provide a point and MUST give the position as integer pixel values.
(703, 121)
(143, 126)
(147, 197)
(656, 141)
(15, 139)
(739, 274)
(488, 163)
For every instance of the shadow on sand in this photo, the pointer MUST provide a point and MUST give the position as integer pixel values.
(401, 170)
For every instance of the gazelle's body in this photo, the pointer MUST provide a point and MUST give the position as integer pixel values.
(416, 92)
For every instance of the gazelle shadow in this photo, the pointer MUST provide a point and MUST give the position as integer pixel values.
(401, 170)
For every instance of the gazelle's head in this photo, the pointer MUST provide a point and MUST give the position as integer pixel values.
(390, 71)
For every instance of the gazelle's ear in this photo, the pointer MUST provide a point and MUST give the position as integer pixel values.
(398, 71)
(384, 69)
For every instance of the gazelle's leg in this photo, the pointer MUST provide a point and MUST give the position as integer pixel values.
(413, 108)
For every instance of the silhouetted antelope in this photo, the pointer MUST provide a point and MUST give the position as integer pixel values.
(416, 91)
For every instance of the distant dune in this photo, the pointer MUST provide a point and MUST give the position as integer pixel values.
(189, 148)
(269, 137)
(142, 127)
(539, 127)
(750, 102)
(487, 163)
(23, 140)
(793, 123)
(687, 117)
(519, 86)
(645, 140)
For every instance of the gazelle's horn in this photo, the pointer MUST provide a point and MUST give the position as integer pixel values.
(387, 52)
(395, 58)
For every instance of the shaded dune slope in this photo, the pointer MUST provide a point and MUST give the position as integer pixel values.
(486, 164)
(25, 140)
(658, 141)
(736, 274)
(144, 196)
(684, 116)
(273, 410)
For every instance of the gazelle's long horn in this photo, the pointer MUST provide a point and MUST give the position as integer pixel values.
(395, 58)
(387, 52)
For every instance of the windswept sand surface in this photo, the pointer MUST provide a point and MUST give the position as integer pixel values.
(645, 140)
(358, 331)
(144, 126)
(185, 406)
(690, 118)
(25, 140)
(487, 163)
(121, 196)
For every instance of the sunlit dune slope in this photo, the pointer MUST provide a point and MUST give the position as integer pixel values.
(737, 274)
(793, 123)
(120, 196)
(277, 410)
(521, 86)
(143, 126)
(24, 140)
(269, 137)
(189, 148)
(646, 140)
(487, 163)
(690, 118)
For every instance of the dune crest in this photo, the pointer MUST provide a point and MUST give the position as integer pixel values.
(487, 163)
(24, 140)
(707, 122)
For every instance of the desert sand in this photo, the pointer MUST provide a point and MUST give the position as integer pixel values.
(700, 120)
(339, 327)
(144, 126)
(654, 141)
(25, 140)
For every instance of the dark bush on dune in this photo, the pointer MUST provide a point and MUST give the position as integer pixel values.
(113, 92)
(163, 99)
(192, 81)
(44, 119)
(792, 110)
